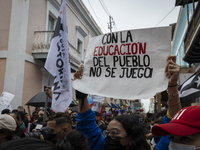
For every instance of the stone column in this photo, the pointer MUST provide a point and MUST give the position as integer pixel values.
(15, 62)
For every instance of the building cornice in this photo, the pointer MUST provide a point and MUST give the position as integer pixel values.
(55, 3)
(81, 31)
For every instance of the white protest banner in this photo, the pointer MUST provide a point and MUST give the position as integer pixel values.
(58, 63)
(126, 64)
(5, 100)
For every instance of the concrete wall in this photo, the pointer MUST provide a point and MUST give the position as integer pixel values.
(5, 14)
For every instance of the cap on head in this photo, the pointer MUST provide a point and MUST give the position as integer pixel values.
(186, 122)
(7, 122)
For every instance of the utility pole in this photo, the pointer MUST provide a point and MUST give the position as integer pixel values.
(110, 23)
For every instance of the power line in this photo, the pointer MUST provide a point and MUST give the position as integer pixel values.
(96, 15)
(104, 7)
(107, 12)
(165, 16)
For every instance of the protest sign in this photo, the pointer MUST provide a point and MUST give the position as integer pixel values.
(5, 100)
(126, 64)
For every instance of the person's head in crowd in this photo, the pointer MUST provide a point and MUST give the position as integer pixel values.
(141, 121)
(74, 113)
(37, 108)
(161, 114)
(73, 117)
(41, 115)
(60, 127)
(17, 122)
(14, 111)
(6, 111)
(58, 115)
(7, 128)
(116, 113)
(149, 114)
(158, 121)
(28, 144)
(20, 108)
(112, 112)
(125, 113)
(138, 111)
(145, 118)
(125, 132)
(26, 114)
(184, 129)
(69, 111)
(20, 117)
(103, 113)
(74, 140)
(152, 119)
(108, 117)
(97, 117)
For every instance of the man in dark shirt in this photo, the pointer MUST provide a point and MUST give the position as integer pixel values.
(99, 123)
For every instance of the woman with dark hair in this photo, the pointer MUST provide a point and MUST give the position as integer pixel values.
(125, 132)
(20, 117)
(28, 144)
(74, 140)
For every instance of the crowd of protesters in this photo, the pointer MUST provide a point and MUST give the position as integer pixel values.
(84, 129)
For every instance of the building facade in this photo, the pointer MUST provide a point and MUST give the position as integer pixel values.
(26, 30)
(185, 43)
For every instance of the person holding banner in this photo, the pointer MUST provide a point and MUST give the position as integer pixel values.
(121, 130)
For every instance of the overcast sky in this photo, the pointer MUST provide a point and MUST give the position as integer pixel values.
(133, 14)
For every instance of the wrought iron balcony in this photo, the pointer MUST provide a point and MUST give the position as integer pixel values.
(191, 42)
(42, 44)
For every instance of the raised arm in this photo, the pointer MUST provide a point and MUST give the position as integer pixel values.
(86, 118)
(172, 72)
(83, 104)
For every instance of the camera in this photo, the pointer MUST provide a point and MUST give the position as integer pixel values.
(45, 131)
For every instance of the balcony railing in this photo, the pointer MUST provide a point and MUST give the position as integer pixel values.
(42, 41)
(42, 44)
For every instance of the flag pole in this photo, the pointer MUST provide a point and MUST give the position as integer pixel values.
(45, 107)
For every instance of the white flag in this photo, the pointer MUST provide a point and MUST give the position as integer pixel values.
(58, 63)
